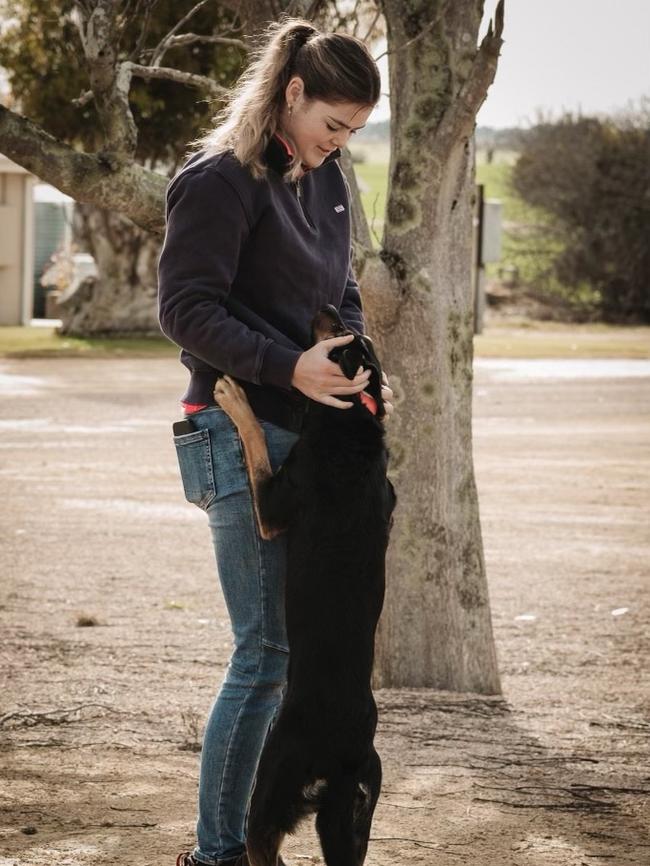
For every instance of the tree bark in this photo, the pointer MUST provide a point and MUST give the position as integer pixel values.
(435, 629)
(94, 178)
(121, 299)
(116, 191)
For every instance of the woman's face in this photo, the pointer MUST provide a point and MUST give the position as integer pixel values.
(316, 128)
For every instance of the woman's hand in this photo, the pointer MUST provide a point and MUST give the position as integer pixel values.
(319, 378)
(387, 396)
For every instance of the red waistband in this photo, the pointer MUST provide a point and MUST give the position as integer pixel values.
(193, 407)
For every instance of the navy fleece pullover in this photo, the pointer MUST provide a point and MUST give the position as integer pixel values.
(244, 267)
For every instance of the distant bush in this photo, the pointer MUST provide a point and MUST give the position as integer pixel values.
(592, 177)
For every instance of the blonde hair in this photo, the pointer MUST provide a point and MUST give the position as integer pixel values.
(335, 67)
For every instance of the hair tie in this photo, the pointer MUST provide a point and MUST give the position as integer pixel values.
(300, 36)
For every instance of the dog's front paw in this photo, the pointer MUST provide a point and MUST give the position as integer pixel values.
(232, 399)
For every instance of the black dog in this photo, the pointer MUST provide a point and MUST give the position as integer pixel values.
(334, 500)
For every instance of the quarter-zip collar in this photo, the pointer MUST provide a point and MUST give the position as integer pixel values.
(278, 155)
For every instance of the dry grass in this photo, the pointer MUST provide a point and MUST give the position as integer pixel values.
(519, 338)
(39, 342)
(535, 339)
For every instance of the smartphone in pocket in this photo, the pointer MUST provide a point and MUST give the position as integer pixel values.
(182, 428)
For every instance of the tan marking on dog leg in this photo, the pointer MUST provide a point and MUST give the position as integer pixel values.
(232, 399)
(266, 855)
(258, 468)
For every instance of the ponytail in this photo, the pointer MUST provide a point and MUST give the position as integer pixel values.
(334, 67)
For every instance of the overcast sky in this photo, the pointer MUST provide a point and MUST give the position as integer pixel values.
(564, 54)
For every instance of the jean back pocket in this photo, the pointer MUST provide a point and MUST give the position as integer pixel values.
(194, 454)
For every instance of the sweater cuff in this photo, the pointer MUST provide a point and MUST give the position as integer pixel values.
(278, 365)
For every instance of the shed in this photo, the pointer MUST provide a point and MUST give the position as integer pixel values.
(34, 221)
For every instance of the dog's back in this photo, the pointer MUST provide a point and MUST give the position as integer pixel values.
(336, 549)
(320, 755)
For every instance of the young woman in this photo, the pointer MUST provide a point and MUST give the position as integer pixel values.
(257, 241)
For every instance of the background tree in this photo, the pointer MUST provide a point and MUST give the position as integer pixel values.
(592, 176)
(65, 72)
(436, 628)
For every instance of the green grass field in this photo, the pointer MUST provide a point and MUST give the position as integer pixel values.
(519, 339)
(373, 180)
(42, 341)
(536, 339)
(526, 247)
(373, 183)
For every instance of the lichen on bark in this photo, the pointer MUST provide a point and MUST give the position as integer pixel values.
(437, 580)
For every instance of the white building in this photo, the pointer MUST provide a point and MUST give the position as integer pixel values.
(35, 220)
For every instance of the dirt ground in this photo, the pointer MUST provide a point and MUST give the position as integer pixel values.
(100, 725)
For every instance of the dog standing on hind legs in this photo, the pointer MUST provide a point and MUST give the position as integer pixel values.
(333, 499)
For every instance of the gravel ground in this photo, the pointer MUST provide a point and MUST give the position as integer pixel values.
(100, 725)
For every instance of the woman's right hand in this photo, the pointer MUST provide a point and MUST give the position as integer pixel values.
(319, 378)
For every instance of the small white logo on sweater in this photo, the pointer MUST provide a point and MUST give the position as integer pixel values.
(339, 208)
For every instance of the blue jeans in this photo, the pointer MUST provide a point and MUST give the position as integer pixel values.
(252, 575)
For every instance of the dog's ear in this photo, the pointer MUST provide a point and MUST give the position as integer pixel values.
(327, 323)
(370, 350)
(350, 361)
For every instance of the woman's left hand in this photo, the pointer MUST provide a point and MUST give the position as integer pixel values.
(386, 395)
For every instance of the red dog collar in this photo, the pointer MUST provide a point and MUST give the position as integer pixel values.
(369, 402)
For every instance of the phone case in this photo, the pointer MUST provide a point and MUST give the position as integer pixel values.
(182, 428)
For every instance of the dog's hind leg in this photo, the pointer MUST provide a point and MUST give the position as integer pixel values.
(275, 811)
(264, 835)
(233, 400)
(369, 780)
(277, 803)
(344, 818)
(335, 823)
(264, 850)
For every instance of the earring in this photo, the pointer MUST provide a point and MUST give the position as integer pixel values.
(290, 110)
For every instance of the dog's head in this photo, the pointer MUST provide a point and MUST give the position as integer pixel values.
(357, 353)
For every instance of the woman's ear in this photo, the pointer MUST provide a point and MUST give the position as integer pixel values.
(294, 90)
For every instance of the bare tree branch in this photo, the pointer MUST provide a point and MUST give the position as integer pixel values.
(106, 180)
(429, 27)
(355, 15)
(84, 7)
(109, 81)
(162, 46)
(189, 38)
(55, 717)
(459, 122)
(144, 28)
(170, 74)
(372, 26)
(255, 15)
(84, 99)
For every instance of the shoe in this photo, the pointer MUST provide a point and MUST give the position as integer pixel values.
(187, 859)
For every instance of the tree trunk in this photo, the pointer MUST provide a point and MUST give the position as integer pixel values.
(122, 298)
(435, 629)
